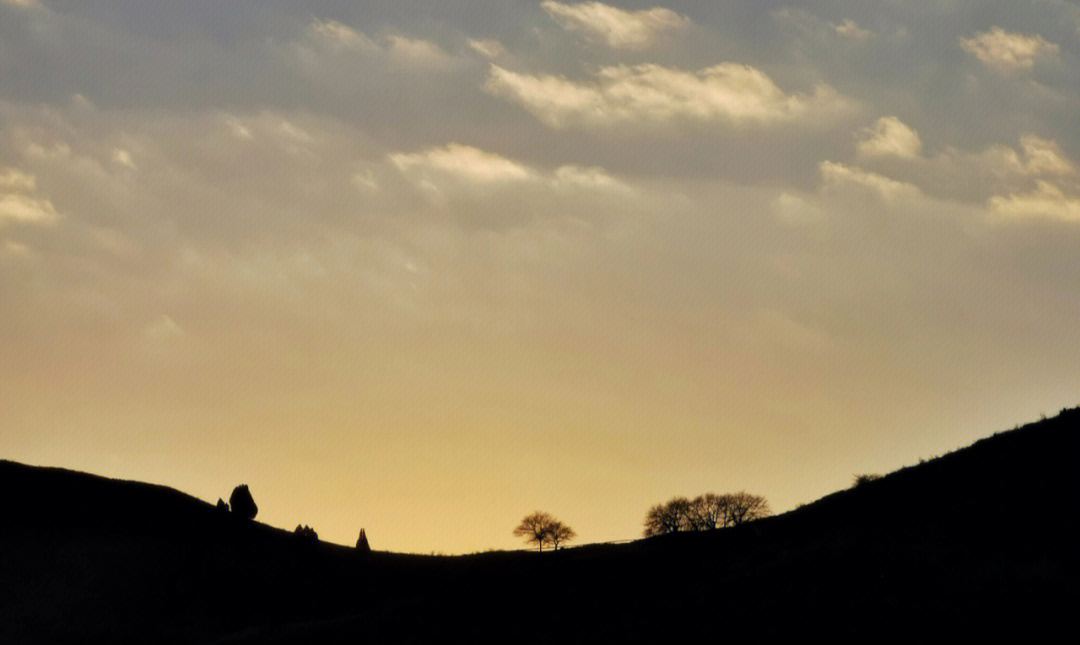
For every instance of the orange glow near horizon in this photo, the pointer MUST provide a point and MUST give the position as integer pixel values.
(425, 272)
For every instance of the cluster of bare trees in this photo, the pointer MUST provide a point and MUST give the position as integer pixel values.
(541, 528)
(705, 512)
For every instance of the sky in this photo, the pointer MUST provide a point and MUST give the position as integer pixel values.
(424, 268)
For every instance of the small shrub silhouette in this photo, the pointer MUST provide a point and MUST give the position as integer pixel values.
(242, 503)
(221, 507)
(306, 532)
(865, 479)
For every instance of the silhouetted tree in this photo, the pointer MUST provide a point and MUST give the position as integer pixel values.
(743, 507)
(534, 528)
(704, 512)
(670, 517)
(221, 507)
(542, 529)
(559, 533)
(362, 544)
(242, 503)
(707, 512)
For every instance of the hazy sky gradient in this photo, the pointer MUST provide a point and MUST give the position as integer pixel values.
(424, 268)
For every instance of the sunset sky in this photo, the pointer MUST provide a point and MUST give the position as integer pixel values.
(426, 267)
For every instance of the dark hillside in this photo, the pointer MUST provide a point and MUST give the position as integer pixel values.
(978, 542)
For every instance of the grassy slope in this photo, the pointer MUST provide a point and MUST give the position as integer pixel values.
(977, 542)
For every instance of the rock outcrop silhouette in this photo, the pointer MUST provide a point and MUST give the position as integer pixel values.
(242, 503)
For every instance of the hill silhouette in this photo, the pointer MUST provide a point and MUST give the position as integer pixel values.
(976, 543)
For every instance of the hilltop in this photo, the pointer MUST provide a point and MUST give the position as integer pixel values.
(977, 542)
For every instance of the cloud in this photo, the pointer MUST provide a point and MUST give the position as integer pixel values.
(893, 148)
(849, 29)
(486, 48)
(462, 162)
(15, 179)
(19, 202)
(655, 94)
(1045, 201)
(889, 136)
(162, 329)
(335, 35)
(456, 164)
(1042, 156)
(23, 4)
(1035, 180)
(840, 177)
(329, 38)
(123, 158)
(15, 207)
(794, 210)
(617, 28)
(14, 251)
(1008, 53)
(592, 178)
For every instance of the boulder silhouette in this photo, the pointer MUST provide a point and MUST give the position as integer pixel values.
(242, 503)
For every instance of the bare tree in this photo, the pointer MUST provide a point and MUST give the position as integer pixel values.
(708, 511)
(670, 517)
(704, 512)
(743, 507)
(534, 528)
(542, 528)
(559, 533)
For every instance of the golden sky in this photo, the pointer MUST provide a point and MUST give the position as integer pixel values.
(424, 269)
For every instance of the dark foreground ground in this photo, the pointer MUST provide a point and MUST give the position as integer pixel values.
(978, 543)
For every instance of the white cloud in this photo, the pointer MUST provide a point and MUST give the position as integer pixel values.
(335, 35)
(849, 29)
(655, 94)
(331, 38)
(365, 181)
(453, 168)
(19, 202)
(15, 179)
(1008, 53)
(462, 162)
(123, 158)
(238, 129)
(617, 28)
(1043, 156)
(892, 147)
(418, 52)
(15, 207)
(593, 178)
(837, 176)
(487, 48)
(267, 127)
(890, 137)
(1045, 201)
